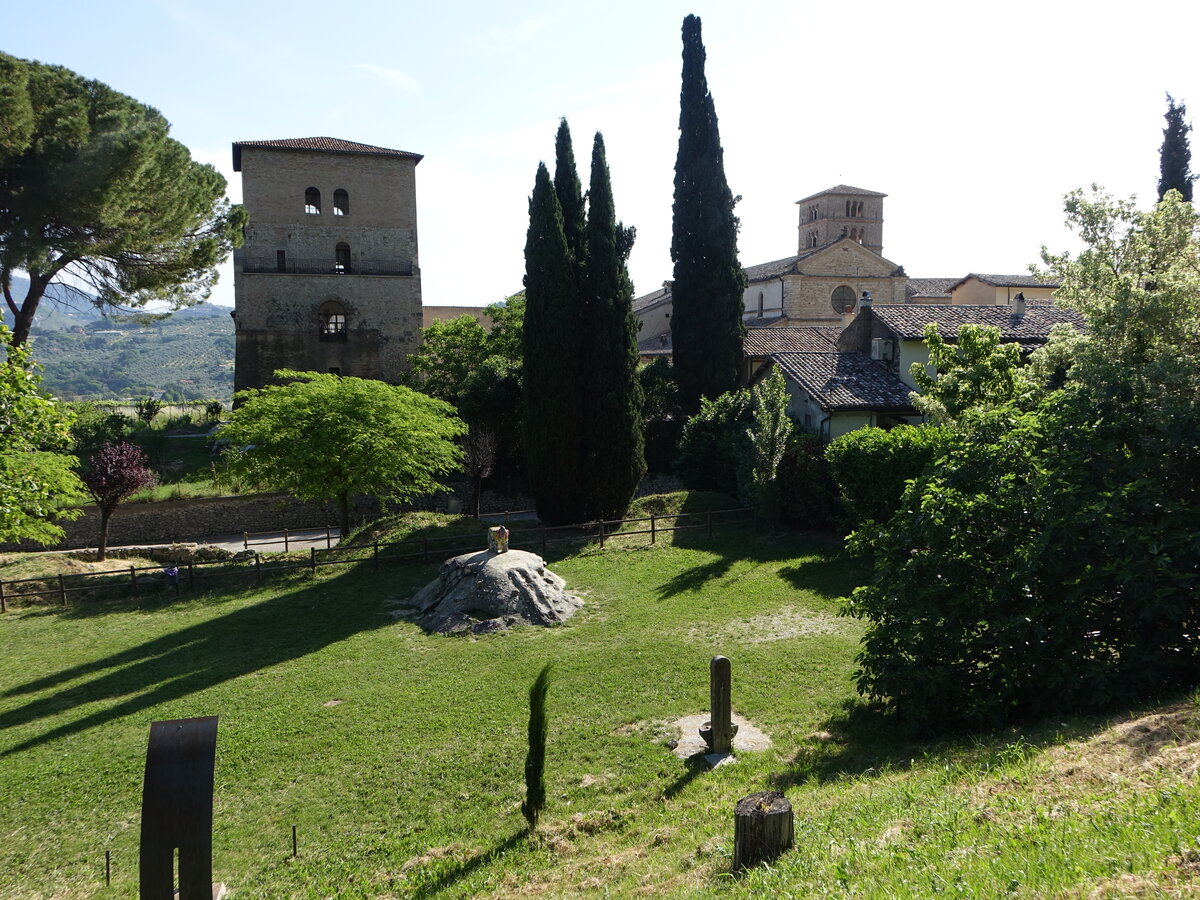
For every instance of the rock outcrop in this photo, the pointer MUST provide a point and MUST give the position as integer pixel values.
(483, 592)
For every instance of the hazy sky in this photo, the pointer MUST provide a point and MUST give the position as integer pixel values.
(974, 119)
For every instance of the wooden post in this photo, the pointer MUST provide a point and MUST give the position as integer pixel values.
(258, 566)
(762, 828)
(294, 849)
(3, 602)
(285, 541)
(719, 712)
(62, 590)
(601, 534)
(653, 529)
(328, 538)
(107, 868)
(245, 540)
(132, 580)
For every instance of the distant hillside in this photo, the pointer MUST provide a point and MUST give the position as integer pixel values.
(189, 356)
(61, 308)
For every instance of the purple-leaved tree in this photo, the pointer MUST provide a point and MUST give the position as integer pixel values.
(113, 473)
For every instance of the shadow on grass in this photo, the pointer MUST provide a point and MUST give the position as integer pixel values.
(864, 740)
(696, 766)
(293, 624)
(462, 870)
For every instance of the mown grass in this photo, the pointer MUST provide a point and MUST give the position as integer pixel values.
(399, 755)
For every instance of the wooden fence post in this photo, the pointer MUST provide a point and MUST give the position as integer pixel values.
(3, 602)
(245, 540)
(285, 542)
(328, 538)
(132, 579)
(62, 589)
(601, 534)
(653, 530)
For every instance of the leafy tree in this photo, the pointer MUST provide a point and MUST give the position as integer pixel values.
(114, 473)
(552, 346)
(94, 425)
(448, 353)
(213, 410)
(508, 321)
(322, 437)
(808, 495)
(35, 475)
(662, 417)
(480, 451)
(975, 373)
(712, 448)
(706, 317)
(1175, 155)
(147, 408)
(535, 758)
(614, 459)
(93, 190)
(1049, 561)
(768, 438)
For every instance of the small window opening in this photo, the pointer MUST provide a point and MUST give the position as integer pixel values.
(341, 259)
(332, 321)
(341, 203)
(280, 260)
(814, 212)
(760, 304)
(312, 201)
(812, 239)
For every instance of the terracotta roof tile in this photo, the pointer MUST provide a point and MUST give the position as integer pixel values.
(789, 338)
(929, 287)
(909, 321)
(846, 381)
(324, 144)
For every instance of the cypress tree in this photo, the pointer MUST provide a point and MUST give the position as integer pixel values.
(614, 460)
(553, 425)
(1175, 156)
(570, 193)
(706, 316)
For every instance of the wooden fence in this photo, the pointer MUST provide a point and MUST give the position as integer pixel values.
(194, 575)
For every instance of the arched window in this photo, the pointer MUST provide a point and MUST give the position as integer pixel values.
(312, 201)
(341, 258)
(812, 239)
(331, 320)
(843, 299)
(341, 203)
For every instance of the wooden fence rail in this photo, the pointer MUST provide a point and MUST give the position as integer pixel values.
(423, 550)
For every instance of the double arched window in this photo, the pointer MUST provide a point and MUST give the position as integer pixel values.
(331, 320)
(312, 201)
(341, 203)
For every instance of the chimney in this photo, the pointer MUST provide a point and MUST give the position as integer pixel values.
(1018, 305)
(847, 314)
(865, 302)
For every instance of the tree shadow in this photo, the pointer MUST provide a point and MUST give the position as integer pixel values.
(287, 626)
(696, 766)
(461, 870)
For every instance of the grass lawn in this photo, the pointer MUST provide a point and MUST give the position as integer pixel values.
(399, 755)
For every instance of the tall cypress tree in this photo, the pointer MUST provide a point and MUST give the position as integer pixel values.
(552, 333)
(613, 450)
(706, 316)
(1175, 156)
(570, 193)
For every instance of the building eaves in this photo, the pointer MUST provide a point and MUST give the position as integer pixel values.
(844, 189)
(846, 382)
(321, 144)
(1017, 281)
(908, 321)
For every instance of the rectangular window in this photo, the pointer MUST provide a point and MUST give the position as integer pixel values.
(280, 260)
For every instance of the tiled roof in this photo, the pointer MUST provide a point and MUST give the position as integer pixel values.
(659, 344)
(929, 287)
(846, 381)
(325, 144)
(765, 321)
(775, 268)
(789, 338)
(843, 189)
(909, 321)
(1017, 281)
(663, 293)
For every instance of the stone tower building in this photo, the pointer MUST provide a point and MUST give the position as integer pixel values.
(842, 211)
(328, 278)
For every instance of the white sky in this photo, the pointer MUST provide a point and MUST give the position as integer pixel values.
(974, 119)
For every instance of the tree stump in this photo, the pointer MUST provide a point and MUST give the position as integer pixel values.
(762, 828)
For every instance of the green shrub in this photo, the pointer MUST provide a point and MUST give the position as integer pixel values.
(871, 466)
(714, 445)
(808, 495)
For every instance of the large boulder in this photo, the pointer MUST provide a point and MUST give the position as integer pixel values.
(485, 591)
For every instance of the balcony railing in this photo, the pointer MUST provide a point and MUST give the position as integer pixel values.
(266, 265)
